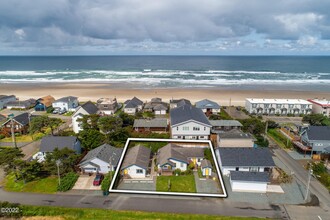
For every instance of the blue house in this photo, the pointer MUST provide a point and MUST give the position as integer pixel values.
(43, 103)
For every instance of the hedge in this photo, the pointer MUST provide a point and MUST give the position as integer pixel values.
(67, 182)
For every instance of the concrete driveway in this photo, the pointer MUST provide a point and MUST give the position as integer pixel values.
(85, 182)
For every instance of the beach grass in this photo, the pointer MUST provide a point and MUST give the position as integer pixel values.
(279, 138)
(185, 183)
(45, 185)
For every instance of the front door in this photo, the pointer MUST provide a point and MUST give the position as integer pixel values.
(125, 171)
(207, 172)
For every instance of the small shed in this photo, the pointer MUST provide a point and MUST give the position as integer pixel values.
(206, 167)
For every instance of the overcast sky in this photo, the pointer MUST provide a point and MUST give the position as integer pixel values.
(214, 27)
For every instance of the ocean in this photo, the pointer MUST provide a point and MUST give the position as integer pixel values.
(241, 72)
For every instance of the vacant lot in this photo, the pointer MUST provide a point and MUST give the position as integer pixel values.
(177, 184)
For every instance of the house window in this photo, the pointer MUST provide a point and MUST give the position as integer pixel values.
(204, 128)
(177, 128)
(254, 169)
(181, 164)
(196, 128)
(139, 171)
(254, 105)
(186, 128)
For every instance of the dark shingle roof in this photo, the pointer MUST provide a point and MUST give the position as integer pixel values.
(327, 149)
(249, 176)
(153, 123)
(235, 134)
(245, 156)
(7, 96)
(104, 152)
(22, 118)
(90, 107)
(133, 103)
(318, 133)
(137, 155)
(25, 103)
(49, 143)
(66, 99)
(205, 103)
(160, 107)
(181, 101)
(186, 113)
(206, 164)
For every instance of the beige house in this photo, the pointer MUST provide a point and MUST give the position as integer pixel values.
(235, 138)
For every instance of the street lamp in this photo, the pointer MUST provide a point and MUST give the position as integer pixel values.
(310, 172)
(58, 163)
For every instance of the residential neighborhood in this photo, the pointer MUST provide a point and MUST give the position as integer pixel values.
(84, 146)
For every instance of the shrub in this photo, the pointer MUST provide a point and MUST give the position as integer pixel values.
(17, 134)
(2, 136)
(67, 182)
(177, 172)
(50, 110)
(105, 185)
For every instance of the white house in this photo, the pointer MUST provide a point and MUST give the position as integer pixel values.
(188, 122)
(160, 109)
(278, 106)
(321, 106)
(133, 105)
(208, 107)
(247, 168)
(4, 99)
(102, 159)
(107, 106)
(136, 162)
(172, 157)
(87, 108)
(69, 103)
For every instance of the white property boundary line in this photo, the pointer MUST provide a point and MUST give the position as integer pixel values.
(224, 195)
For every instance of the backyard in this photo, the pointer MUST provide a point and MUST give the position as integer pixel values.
(184, 183)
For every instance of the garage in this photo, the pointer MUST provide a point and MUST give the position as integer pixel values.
(249, 181)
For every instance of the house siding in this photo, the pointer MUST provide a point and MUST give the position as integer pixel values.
(5, 100)
(131, 170)
(248, 186)
(186, 131)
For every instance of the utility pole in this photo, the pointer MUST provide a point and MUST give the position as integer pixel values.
(110, 165)
(12, 130)
(310, 172)
(58, 162)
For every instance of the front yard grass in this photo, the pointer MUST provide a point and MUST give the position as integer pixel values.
(279, 138)
(44, 185)
(178, 184)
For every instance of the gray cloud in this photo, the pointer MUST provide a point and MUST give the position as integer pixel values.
(147, 23)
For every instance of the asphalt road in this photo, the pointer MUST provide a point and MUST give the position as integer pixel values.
(302, 175)
(150, 203)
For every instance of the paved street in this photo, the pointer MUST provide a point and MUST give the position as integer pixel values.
(301, 174)
(171, 204)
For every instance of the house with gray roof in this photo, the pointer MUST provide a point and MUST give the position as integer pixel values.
(219, 126)
(4, 99)
(102, 159)
(50, 143)
(133, 105)
(317, 138)
(189, 122)
(24, 104)
(157, 106)
(247, 168)
(107, 106)
(208, 106)
(20, 124)
(206, 168)
(235, 138)
(136, 162)
(174, 103)
(172, 157)
(158, 125)
(88, 108)
(68, 103)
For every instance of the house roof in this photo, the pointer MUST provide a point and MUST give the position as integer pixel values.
(25, 103)
(90, 107)
(186, 113)
(156, 99)
(245, 156)
(46, 100)
(184, 101)
(104, 153)
(249, 176)
(6, 96)
(235, 134)
(225, 123)
(133, 103)
(153, 123)
(205, 103)
(138, 155)
(318, 133)
(22, 118)
(66, 99)
(160, 107)
(178, 153)
(49, 143)
(206, 164)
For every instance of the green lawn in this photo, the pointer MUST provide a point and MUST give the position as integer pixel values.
(279, 138)
(27, 138)
(45, 185)
(87, 213)
(178, 184)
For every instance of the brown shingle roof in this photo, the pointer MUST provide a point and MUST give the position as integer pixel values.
(47, 100)
(138, 155)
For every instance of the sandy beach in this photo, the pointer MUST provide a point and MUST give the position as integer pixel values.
(93, 92)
